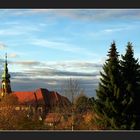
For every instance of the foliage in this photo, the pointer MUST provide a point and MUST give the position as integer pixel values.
(12, 119)
(108, 104)
(130, 70)
(9, 100)
(118, 93)
(83, 104)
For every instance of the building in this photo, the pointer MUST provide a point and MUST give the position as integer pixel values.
(40, 100)
(5, 87)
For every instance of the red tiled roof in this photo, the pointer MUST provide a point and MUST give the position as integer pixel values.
(25, 97)
(57, 99)
(38, 94)
(41, 97)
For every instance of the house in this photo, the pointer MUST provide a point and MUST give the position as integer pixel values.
(41, 99)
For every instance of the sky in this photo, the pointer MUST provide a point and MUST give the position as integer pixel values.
(47, 47)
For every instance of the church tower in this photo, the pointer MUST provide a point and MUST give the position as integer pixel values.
(6, 88)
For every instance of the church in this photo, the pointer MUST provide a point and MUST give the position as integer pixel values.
(40, 99)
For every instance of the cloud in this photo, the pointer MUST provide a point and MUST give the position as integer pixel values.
(48, 75)
(82, 14)
(52, 44)
(52, 75)
(26, 63)
(58, 68)
(89, 14)
(100, 14)
(42, 70)
(62, 46)
(118, 29)
(113, 30)
(82, 66)
(47, 72)
(108, 33)
(2, 46)
(28, 84)
(13, 55)
(52, 80)
(6, 32)
(70, 66)
(18, 29)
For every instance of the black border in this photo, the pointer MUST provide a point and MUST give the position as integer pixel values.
(69, 3)
(39, 135)
(95, 135)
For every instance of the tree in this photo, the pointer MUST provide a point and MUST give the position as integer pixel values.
(130, 70)
(108, 104)
(71, 89)
(12, 119)
(82, 104)
(9, 117)
(9, 100)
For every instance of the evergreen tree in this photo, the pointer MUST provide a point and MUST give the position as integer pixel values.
(108, 104)
(130, 70)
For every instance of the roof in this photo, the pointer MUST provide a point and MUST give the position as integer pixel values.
(41, 97)
(25, 97)
(56, 99)
(31, 97)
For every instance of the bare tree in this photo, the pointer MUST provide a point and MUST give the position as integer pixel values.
(71, 89)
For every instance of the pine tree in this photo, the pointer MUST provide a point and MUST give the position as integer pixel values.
(108, 104)
(130, 70)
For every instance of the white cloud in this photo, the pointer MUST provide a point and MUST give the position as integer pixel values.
(52, 83)
(62, 46)
(122, 28)
(113, 30)
(86, 14)
(107, 32)
(52, 74)
(13, 55)
(5, 32)
(76, 66)
(28, 63)
(2, 46)
(14, 30)
(56, 70)
(71, 66)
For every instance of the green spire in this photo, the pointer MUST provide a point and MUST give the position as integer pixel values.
(5, 75)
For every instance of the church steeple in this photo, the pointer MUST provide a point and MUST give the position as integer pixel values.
(6, 88)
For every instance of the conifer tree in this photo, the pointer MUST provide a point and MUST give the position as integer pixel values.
(108, 106)
(130, 70)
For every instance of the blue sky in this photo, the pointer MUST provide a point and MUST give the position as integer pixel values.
(48, 46)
